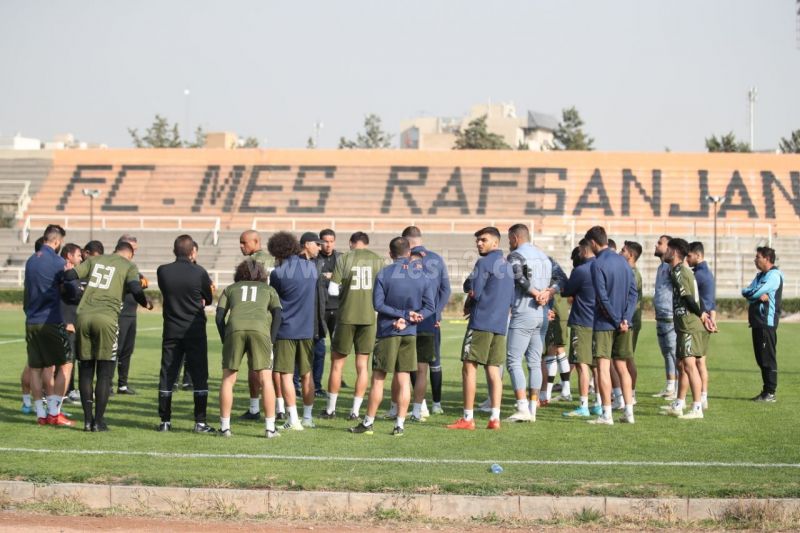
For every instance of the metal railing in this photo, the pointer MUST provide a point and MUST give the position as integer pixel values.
(116, 222)
(429, 224)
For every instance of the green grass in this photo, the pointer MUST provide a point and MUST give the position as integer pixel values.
(735, 430)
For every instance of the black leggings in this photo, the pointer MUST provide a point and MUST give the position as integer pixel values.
(105, 372)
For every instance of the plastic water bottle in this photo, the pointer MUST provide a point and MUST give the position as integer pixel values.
(496, 469)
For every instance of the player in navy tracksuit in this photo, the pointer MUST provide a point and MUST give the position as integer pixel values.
(490, 290)
(615, 302)
(706, 289)
(403, 298)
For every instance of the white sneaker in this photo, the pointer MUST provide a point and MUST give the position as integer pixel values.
(74, 396)
(308, 423)
(603, 421)
(519, 416)
(272, 434)
(705, 405)
(437, 409)
(671, 395)
(618, 404)
(626, 419)
(671, 410)
(664, 393)
(692, 415)
(424, 411)
(485, 406)
(562, 398)
(297, 426)
(391, 414)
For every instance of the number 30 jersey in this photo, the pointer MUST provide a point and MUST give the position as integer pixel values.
(247, 305)
(355, 272)
(108, 277)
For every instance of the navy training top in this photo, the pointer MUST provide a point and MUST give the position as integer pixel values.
(295, 281)
(614, 289)
(435, 270)
(44, 272)
(400, 288)
(492, 286)
(581, 288)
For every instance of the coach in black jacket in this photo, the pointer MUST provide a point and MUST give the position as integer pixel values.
(186, 290)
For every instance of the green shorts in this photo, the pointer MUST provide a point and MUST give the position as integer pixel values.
(48, 345)
(556, 333)
(691, 344)
(484, 348)
(395, 354)
(347, 336)
(97, 335)
(582, 350)
(255, 344)
(291, 352)
(613, 344)
(426, 348)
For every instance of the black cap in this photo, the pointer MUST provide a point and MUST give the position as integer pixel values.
(310, 236)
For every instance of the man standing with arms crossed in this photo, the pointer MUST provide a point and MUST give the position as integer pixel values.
(665, 328)
(353, 280)
(403, 297)
(490, 290)
(615, 303)
(186, 290)
(326, 262)
(528, 325)
(45, 334)
(706, 287)
(764, 296)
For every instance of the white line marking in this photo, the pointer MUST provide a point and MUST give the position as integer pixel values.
(171, 455)
(12, 341)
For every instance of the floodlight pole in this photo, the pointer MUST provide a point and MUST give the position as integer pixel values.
(717, 201)
(92, 194)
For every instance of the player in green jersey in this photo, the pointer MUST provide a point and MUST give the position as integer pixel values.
(250, 245)
(110, 277)
(253, 312)
(352, 280)
(689, 318)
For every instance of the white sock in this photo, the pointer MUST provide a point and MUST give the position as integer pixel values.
(633, 395)
(53, 403)
(224, 423)
(357, 404)
(548, 391)
(606, 411)
(532, 408)
(332, 402)
(416, 410)
(468, 414)
(393, 409)
(26, 400)
(628, 410)
(401, 420)
(584, 402)
(697, 406)
(279, 405)
(679, 404)
(368, 420)
(308, 411)
(617, 392)
(424, 404)
(671, 384)
(41, 412)
(522, 405)
(437, 405)
(292, 414)
(270, 423)
(597, 401)
(565, 388)
(703, 397)
(495, 414)
(254, 409)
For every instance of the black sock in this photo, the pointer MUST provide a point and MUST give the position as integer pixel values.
(436, 385)
(200, 405)
(105, 373)
(165, 405)
(565, 377)
(85, 378)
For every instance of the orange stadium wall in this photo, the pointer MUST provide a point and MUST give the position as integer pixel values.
(647, 191)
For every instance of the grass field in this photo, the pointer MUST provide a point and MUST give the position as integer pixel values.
(735, 435)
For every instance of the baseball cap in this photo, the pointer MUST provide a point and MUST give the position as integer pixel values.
(310, 236)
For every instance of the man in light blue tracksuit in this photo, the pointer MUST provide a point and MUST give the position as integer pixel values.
(665, 329)
(528, 325)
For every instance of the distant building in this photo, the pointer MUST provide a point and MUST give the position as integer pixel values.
(221, 139)
(18, 142)
(534, 130)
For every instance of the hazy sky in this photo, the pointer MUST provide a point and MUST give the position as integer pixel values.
(645, 75)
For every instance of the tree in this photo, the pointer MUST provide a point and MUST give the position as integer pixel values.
(791, 145)
(726, 143)
(199, 139)
(570, 135)
(310, 144)
(373, 136)
(159, 135)
(477, 137)
(249, 142)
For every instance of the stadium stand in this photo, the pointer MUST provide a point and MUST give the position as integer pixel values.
(214, 194)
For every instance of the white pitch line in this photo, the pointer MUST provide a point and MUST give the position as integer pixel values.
(12, 341)
(532, 462)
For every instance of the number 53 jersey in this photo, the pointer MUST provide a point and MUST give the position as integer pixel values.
(355, 272)
(108, 277)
